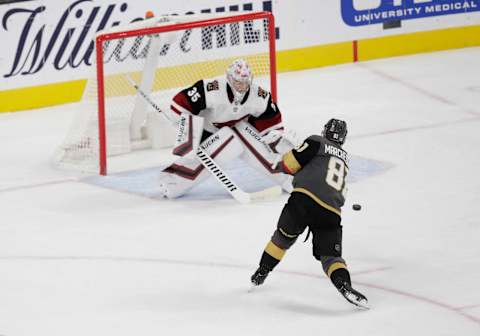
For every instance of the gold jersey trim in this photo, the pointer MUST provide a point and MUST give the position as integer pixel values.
(275, 251)
(291, 162)
(335, 266)
(287, 234)
(318, 200)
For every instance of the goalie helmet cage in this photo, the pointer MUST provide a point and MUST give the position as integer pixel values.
(162, 55)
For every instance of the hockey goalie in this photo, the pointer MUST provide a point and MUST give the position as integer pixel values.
(228, 117)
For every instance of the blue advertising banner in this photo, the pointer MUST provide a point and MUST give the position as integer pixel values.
(354, 12)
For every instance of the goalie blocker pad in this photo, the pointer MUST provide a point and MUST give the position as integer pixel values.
(189, 133)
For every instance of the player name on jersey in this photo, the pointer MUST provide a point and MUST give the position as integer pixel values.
(335, 151)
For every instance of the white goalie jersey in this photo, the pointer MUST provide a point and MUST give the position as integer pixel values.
(214, 101)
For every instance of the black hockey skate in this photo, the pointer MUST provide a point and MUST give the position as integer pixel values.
(351, 295)
(259, 276)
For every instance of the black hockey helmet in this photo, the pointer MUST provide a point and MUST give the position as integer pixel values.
(335, 130)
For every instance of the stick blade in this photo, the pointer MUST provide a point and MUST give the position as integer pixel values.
(241, 196)
(266, 193)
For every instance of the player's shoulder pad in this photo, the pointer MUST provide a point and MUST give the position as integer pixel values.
(315, 138)
(303, 154)
(198, 86)
(198, 83)
(196, 96)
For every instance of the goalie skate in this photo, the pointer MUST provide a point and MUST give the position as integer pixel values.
(169, 186)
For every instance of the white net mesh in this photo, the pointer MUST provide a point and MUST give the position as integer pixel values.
(160, 63)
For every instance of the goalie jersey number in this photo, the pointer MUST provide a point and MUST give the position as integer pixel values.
(195, 95)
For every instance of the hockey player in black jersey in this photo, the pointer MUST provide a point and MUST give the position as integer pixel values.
(319, 167)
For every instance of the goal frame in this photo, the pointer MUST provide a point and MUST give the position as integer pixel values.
(102, 38)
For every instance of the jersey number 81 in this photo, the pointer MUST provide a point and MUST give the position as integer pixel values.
(336, 174)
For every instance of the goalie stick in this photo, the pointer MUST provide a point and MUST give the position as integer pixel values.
(230, 186)
(214, 169)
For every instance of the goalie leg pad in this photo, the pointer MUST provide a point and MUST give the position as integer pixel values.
(186, 172)
(189, 133)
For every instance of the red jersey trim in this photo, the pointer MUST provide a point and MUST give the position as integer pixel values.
(182, 101)
(263, 124)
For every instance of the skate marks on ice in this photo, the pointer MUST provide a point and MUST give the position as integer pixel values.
(144, 182)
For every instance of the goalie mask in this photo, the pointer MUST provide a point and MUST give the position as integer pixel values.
(335, 130)
(239, 77)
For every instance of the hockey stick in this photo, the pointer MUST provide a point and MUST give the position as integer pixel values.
(230, 186)
(209, 164)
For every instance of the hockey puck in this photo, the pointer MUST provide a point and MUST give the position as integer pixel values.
(357, 207)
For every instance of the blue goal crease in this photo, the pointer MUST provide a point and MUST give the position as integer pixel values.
(144, 181)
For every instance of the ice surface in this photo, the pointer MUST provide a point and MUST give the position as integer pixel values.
(90, 256)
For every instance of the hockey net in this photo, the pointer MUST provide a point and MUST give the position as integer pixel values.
(161, 55)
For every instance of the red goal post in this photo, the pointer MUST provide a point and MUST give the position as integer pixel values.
(162, 55)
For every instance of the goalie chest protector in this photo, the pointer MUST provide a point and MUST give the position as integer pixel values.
(210, 99)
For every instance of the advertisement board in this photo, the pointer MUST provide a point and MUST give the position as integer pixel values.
(382, 11)
(44, 42)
